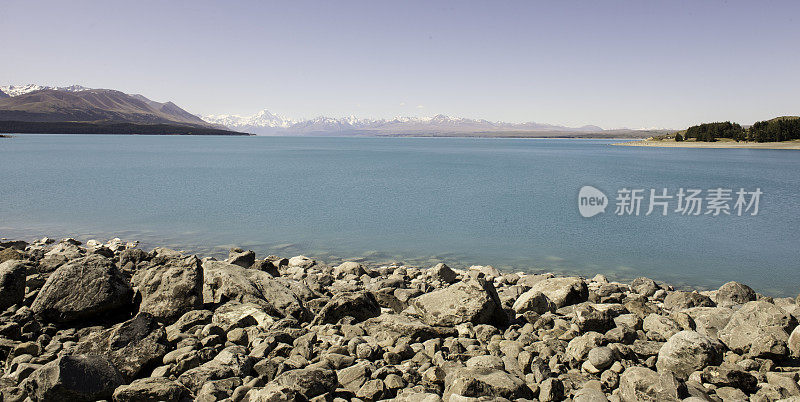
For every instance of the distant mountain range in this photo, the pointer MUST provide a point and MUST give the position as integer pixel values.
(17, 90)
(265, 122)
(27, 108)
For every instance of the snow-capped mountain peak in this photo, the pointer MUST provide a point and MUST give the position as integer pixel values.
(16, 90)
(260, 120)
(266, 122)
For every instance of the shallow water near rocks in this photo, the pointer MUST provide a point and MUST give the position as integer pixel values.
(510, 203)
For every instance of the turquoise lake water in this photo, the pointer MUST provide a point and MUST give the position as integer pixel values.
(510, 203)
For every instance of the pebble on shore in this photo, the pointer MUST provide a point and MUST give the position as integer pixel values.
(109, 321)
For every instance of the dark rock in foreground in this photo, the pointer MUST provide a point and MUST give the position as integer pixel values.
(74, 378)
(84, 288)
(109, 321)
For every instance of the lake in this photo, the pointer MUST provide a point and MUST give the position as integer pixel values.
(510, 203)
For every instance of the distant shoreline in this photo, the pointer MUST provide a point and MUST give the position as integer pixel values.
(25, 127)
(719, 144)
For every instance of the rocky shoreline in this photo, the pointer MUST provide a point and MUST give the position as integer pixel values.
(109, 321)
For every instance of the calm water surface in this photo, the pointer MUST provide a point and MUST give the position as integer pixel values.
(511, 203)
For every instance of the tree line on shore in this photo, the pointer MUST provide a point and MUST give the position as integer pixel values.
(777, 129)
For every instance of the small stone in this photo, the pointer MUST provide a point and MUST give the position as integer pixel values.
(609, 379)
(729, 376)
(244, 259)
(731, 394)
(601, 357)
(644, 286)
(354, 377)
(349, 268)
(372, 390)
(394, 382)
(588, 394)
(301, 261)
(551, 389)
(443, 273)
(434, 375)
(589, 368)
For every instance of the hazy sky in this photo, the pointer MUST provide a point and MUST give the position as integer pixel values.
(610, 63)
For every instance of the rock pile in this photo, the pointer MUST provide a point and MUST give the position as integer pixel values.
(108, 321)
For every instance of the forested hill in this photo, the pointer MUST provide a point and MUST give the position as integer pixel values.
(784, 128)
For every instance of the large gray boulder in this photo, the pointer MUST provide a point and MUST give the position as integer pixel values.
(301, 261)
(223, 281)
(794, 342)
(354, 376)
(687, 352)
(309, 382)
(349, 268)
(84, 288)
(233, 315)
(474, 300)
(170, 288)
(533, 300)
(244, 259)
(758, 329)
(151, 389)
(730, 375)
(395, 326)
(563, 291)
(644, 286)
(579, 347)
(232, 361)
(481, 381)
(660, 328)
(59, 255)
(710, 320)
(9, 254)
(134, 346)
(274, 393)
(642, 384)
(12, 283)
(359, 305)
(74, 378)
(681, 300)
(442, 273)
(733, 293)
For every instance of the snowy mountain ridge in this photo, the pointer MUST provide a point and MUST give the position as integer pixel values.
(266, 122)
(17, 90)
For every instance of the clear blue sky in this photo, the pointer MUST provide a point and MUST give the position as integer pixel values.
(611, 63)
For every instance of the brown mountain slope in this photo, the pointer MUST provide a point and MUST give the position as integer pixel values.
(96, 105)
